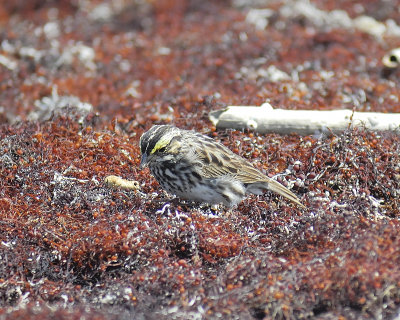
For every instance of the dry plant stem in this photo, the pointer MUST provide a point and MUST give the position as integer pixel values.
(265, 119)
(118, 182)
(392, 58)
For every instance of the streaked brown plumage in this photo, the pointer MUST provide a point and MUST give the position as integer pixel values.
(196, 167)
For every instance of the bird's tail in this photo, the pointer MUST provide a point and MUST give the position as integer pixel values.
(276, 187)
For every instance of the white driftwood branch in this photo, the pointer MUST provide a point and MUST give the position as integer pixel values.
(266, 119)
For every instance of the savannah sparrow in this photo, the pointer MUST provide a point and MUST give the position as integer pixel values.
(197, 168)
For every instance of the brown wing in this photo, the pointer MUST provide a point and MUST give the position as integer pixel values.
(219, 161)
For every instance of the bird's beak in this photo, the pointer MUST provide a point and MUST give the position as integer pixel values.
(143, 161)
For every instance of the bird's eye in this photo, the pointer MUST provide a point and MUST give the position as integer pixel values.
(162, 149)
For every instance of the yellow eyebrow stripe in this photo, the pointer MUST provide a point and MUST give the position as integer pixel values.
(160, 144)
